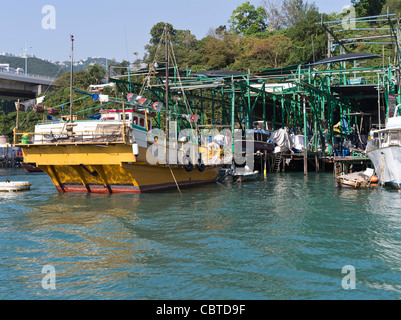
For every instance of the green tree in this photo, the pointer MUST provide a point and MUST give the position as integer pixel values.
(7, 105)
(394, 7)
(274, 14)
(365, 8)
(248, 20)
(82, 80)
(183, 44)
(294, 11)
(274, 50)
(26, 122)
(156, 40)
(218, 51)
(95, 74)
(184, 48)
(303, 34)
(157, 32)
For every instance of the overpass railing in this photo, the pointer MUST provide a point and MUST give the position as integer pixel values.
(26, 76)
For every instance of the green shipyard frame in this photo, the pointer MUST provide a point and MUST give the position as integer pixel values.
(308, 98)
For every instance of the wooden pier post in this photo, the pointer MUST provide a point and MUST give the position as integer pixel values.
(317, 162)
(305, 162)
(265, 164)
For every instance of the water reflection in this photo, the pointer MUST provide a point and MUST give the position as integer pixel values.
(285, 237)
(84, 238)
(384, 207)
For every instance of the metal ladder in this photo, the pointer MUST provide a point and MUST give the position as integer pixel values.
(277, 164)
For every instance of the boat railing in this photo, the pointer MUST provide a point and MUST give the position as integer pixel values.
(175, 151)
(183, 152)
(386, 138)
(100, 135)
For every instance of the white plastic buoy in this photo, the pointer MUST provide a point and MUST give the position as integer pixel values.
(135, 149)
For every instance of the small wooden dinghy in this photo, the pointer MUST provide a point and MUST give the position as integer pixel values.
(245, 174)
(15, 186)
(357, 180)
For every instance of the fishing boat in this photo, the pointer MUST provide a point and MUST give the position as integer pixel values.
(384, 150)
(31, 167)
(119, 151)
(260, 140)
(15, 186)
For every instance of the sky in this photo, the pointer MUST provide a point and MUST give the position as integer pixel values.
(111, 29)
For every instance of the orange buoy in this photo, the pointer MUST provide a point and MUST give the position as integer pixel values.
(374, 179)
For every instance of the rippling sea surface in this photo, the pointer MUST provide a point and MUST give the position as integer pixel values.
(286, 237)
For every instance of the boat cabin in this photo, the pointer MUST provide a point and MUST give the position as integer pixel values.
(135, 117)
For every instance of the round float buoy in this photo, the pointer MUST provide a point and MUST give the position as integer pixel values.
(374, 179)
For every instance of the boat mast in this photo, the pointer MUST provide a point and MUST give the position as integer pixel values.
(72, 77)
(167, 82)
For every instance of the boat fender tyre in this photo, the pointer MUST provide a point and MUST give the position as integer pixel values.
(188, 167)
(200, 167)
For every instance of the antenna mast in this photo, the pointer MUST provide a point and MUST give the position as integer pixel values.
(72, 78)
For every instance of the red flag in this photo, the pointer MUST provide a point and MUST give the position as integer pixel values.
(194, 118)
(157, 106)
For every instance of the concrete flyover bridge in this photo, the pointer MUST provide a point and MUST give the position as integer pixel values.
(21, 86)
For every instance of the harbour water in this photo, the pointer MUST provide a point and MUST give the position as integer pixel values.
(287, 237)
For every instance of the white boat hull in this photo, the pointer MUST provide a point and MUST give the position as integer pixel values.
(387, 163)
(14, 186)
(246, 176)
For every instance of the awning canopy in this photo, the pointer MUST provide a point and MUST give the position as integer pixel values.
(346, 57)
(218, 73)
(282, 70)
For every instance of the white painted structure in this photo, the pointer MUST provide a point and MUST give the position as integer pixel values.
(384, 150)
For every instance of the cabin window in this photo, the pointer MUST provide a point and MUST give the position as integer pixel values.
(149, 124)
(394, 137)
(135, 121)
(142, 122)
(126, 117)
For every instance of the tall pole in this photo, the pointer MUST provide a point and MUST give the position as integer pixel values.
(167, 93)
(398, 59)
(378, 101)
(123, 117)
(26, 59)
(72, 78)
(167, 82)
(305, 139)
